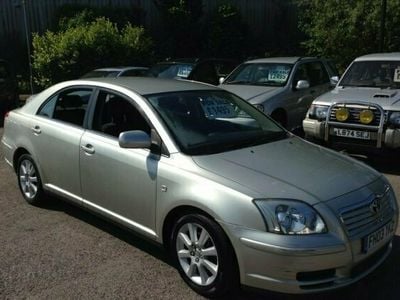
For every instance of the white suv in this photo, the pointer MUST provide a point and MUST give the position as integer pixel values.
(363, 109)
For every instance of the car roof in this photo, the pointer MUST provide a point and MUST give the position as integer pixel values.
(285, 60)
(113, 69)
(379, 56)
(150, 85)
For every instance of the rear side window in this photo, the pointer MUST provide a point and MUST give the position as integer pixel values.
(68, 106)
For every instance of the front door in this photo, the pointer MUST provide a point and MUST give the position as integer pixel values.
(119, 183)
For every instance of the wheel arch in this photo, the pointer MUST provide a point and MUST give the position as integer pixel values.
(17, 154)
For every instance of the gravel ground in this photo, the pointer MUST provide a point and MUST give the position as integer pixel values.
(59, 251)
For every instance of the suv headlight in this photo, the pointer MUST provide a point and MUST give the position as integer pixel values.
(318, 112)
(284, 216)
(394, 118)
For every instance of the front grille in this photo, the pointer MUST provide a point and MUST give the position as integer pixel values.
(361, 219)
(354, 117)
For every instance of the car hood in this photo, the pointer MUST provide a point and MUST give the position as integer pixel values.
(252, 93)
(290, 168)
(388, 99)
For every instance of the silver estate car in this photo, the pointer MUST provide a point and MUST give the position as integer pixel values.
(282, 87)
(231, 195)
(364, 108)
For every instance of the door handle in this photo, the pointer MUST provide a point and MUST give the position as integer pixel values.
(36, 130)
(89, 149)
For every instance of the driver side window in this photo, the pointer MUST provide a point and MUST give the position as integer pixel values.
(115, 114)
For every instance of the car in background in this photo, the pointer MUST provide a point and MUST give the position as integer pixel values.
(282, 87)
(202, 70)
(8, 89)
(117, 72)
(233, 196)
(363, 111)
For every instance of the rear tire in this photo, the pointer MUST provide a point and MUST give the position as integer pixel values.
(29, 181)
(204, 256)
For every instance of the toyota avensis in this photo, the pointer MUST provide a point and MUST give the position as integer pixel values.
(232, 196)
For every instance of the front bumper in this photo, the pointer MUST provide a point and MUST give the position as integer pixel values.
(321, 130)
(300, 264)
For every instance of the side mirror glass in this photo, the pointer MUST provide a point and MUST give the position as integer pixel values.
(334, 80)
(135, 139)
(221, 80)
(302, 85)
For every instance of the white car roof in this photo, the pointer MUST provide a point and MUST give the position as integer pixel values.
(379, 56)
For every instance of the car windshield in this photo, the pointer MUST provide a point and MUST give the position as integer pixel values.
(96, 74)
(207, 122)
(172, 70)
(380, 74)
(273, 74)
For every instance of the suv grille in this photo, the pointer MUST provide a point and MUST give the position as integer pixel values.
(355, 115)
(360, 220)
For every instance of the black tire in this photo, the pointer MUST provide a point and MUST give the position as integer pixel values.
(226, 279)
(29, 180)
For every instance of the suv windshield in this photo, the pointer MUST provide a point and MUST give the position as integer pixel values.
(274, 74)
(206, 122)
(172, 70)
(380, 74)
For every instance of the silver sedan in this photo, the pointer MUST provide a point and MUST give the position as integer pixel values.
(231, 195)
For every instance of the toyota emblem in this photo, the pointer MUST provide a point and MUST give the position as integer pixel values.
(375, 206)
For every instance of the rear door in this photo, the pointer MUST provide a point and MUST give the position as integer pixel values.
(57, 130)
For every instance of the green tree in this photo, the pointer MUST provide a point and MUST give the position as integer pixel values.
(85, 45)
(345, 29)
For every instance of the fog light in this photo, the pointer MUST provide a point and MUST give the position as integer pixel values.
(366, 116)
(342, 114)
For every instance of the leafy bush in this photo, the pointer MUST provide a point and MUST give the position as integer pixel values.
(83, 46)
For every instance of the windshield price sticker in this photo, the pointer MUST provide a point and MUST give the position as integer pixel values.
(217, 108)
(184, 71)
(396, 75)
(278, 75)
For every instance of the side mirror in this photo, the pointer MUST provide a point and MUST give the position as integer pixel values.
(134, 139)
(302, 85)
(221, 80)
(334, 80)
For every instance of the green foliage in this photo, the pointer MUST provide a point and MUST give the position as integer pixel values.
(345, 29)
(83, 46)
(227, 33)
(71, 15)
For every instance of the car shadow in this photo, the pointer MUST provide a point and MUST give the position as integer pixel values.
(128, 236)
(387, 162)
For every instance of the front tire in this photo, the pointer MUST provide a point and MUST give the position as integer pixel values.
(204, 256)
(29, 181)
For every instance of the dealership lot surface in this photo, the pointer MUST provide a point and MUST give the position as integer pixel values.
(60, 251)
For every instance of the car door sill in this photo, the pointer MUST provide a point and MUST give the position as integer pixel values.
(101, 210)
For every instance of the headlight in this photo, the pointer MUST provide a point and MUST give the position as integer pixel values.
(290, 217)
(394, 118)
(259, 107)
(318, 112)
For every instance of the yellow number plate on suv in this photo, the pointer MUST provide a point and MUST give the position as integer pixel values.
(355, 134)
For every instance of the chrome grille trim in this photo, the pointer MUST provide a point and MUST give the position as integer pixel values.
(359, 220)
